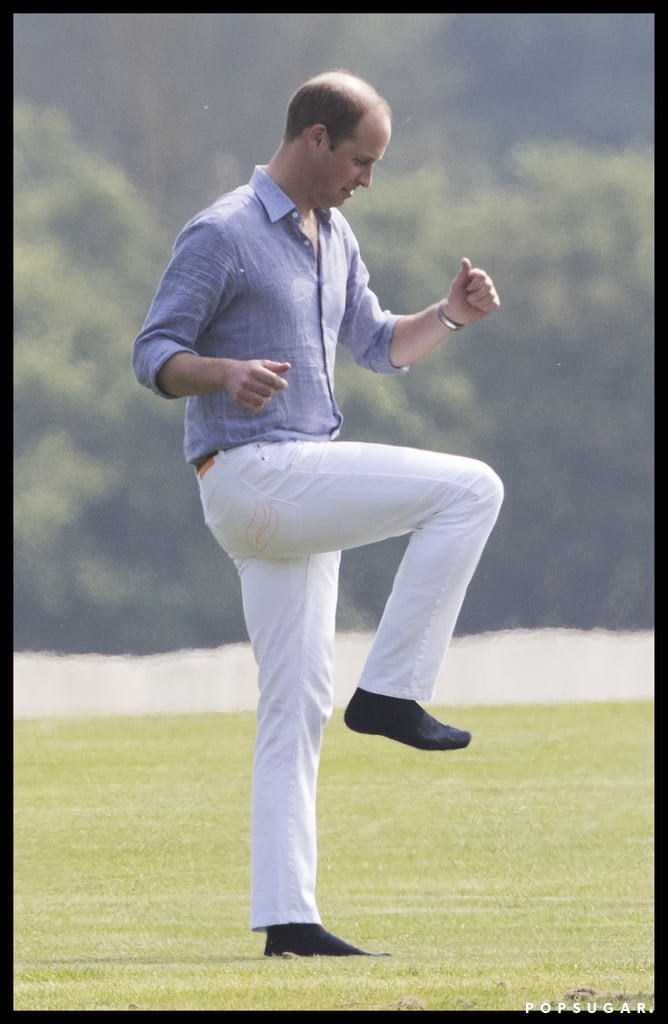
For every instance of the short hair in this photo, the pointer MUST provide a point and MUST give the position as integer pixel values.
(337, 99)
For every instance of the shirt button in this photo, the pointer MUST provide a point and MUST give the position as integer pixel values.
(306, 241)
(294, 215)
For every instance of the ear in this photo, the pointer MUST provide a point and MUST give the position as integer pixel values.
(317, 135)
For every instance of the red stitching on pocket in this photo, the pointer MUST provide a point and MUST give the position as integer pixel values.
(262, 526)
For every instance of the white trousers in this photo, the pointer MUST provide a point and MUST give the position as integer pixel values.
(284, 512)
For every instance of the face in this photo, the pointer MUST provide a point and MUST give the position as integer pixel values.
(350, 165)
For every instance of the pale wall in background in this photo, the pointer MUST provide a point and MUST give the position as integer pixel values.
(512, 667)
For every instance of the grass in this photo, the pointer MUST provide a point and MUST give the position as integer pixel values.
(518, 871)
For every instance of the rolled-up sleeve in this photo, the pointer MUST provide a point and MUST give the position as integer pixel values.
(197, 282)
(366, 330)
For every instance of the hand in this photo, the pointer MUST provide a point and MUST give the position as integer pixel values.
(253, 383)
(472, 295)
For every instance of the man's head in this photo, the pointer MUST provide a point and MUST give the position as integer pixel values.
(337, 128)
(337, 99)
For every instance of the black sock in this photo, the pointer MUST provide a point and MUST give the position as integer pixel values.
(402, 720)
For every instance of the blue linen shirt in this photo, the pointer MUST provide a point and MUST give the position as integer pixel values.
(244, 283)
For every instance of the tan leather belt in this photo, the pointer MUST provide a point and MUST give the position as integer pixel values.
(204, 463)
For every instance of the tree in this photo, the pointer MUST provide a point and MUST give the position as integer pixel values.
(554, 390)
(186, 104)
(90, 447)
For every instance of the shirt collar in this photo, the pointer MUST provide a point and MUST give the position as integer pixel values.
(273, 198)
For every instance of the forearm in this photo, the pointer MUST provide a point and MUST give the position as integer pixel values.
(471, 297)
(188, 374)
(251, 383)
(416, 336)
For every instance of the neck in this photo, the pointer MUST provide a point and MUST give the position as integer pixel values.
(281, 169)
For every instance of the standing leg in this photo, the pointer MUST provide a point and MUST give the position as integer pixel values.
(290, 609)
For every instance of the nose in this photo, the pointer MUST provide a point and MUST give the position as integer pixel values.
(364, 177)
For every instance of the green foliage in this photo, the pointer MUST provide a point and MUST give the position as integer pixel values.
(544, 180)
(86, 252)
(522, 873)
(569, 378)
(70, 328)
(557, 76)
(555, 391)
(188, 103)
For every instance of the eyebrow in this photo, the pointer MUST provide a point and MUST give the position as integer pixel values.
(365, 158)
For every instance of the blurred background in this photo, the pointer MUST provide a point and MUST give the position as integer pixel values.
(523, 141)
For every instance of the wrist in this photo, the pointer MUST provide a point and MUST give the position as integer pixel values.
(446, 320)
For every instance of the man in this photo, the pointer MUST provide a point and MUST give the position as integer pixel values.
(260, 289)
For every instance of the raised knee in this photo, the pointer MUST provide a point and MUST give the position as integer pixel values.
(490, 487)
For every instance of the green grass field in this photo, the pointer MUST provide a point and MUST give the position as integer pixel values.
(518, 871)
